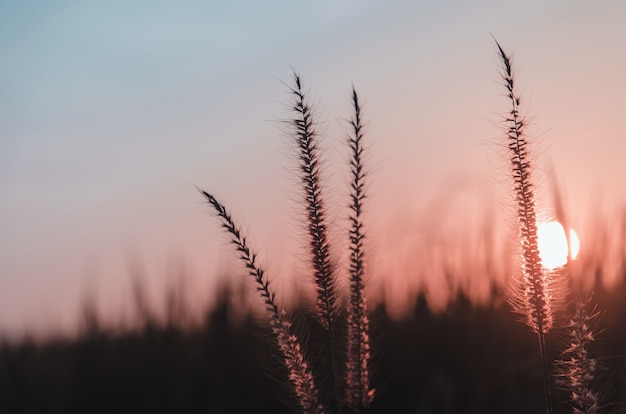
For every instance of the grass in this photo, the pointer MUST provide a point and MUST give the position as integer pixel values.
(577, 368)
(534, 295)
(300, 376)
(467, 359)
(539, 293)
(351, 387)
(359, 393)
(306, 141)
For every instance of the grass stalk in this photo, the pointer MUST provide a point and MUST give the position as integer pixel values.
(300, 375)
(533, 296)
(310, 175)
(358, 392)
(577, 368)
(306, 139)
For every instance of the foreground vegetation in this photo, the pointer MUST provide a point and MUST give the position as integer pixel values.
(466, 360)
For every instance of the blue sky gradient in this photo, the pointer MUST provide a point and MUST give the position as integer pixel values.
(111, 112)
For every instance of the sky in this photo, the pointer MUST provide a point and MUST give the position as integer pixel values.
(112, 112)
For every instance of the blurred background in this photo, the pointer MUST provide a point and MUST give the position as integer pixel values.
(111, 113)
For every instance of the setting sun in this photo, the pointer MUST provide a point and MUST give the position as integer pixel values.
(553, 247)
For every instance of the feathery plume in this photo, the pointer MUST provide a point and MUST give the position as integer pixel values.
(577, 369)
(358, 392)
(534, 296)
(307, 141)
(300, 375)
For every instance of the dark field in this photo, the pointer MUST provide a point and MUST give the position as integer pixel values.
(466, 360)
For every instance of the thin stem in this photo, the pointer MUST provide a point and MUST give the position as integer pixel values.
(546, 372)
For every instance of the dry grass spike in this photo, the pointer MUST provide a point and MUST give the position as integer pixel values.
(577, 369)
(358, 392)
(300, 375)
(534, 296)
(306, 140)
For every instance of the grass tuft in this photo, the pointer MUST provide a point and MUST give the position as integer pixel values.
(357, 394)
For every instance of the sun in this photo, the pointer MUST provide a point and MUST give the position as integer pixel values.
(552, 244)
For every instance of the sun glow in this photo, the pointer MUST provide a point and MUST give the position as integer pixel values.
(553, 246)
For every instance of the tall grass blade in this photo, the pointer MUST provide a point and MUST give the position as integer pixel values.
(533, 297)
(358, 392)
(577, 368)
(299, 373)
(306, 139)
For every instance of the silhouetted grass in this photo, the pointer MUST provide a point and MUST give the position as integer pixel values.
(465, 360)
(539, 292)
(534, 294)
(352, 387)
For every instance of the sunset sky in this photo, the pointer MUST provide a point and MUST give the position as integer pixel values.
(112, 111)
